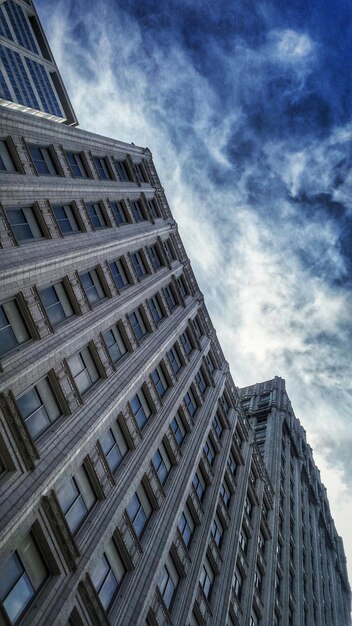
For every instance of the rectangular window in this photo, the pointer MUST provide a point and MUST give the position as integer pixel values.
(6, 161)
(138, 211)
(217, 530)
(200, 380)
(161, 463)
(190, 403)
(153, 208)
(160, 381)
(199, 484)
(13, 328)
(43, 161)
(83, 369)
(122, 171)
(24, 224)
(114, 446)
(168, 582)
(66, 219)
(231, 464)
(96, 216)
(137, 323)
(206, 579)
(119, 273)
(154, 257)
(243, 541)
(174, 360)
(119, 212)
(23, 575)
(155, 309)
(248, 507)
(139, 264)
(140, 409)
(210, 363)
(76, 499)
(218, 426)
(237, 584)
(178, 429)
(169, 297)
(186, 342)
(139, 510)
(77, 166)
(209, 452)
(141, 177)
(115, 343)
(92, 286)
(108, 574)
(182, 286)
(186, 525)
(225, 494)
(102, 168)
(56, 303)
(197, 328)
(39, 408)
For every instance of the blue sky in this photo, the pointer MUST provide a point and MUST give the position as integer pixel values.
(246, 106)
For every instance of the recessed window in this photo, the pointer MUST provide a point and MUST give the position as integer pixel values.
(139, 264)
(160, 381)
(210, 363)
(6, 161)
(182, 286)
(24, 224)
(77, 166)
(141, 176)
(225, 494)
(218, 426)
(190, 403)
(248, 507)
(197, 328)
(13, 328)
(199, 484)
(140, 408)
(67, 220)
(102, 168)
(114, 446)
(139, 510)
(231, 464)
(123, 171)
(23, 575)
(56, 303)
(169, 250)
(137, 323)
(154, 257)
(119, 212)
(92, 286)
(76, 499)
(201, 384)
(161, 463)
(96, 216)
(237, 584)
(186, 342)
(217, 530)
(178, 429)
(206, 579)
(174, 360)
(209, 452)
(39, 408)
(108, 574)
(169, 298)
(83, 369)
(115, 343)
(155, 309)
(243, 541)
(43, 161)
(186, 525)
(138, 211)
(168, 582)
(153, 208)
(119, 274)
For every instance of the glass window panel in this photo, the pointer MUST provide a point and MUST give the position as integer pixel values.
(76, 514)
(9, 574)
(29, 402)
(33, 562)
(108, 590)
(100, 572)
(6, 162)
(18, 598)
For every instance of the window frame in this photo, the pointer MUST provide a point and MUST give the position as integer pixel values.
(49, 156)
(125, 273)
(139, 316)
(145, 402)
(25, 319)
(118, 208)
(92, 354)
(69, 295)
(101, 283)
(38, 218)
(76, 217)
(84, 163)
(101, 215)
(56, 392)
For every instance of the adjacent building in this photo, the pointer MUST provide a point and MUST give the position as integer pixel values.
(138, 485)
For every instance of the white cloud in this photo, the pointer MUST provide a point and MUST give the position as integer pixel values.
(292, 46)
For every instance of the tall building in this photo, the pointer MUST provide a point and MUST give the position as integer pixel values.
(135, 487)
(29, 78)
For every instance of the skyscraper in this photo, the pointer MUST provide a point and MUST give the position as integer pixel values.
(138, 485)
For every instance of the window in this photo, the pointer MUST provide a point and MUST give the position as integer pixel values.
(76, 499)
(137, 323)
(237, 584)
(190, 403)
(92, 286)
(140, 173)
(66, 219)
(169, 297)
(155, 309)
(161, 463)
(153, 208)
(168, 582)
(83, 369)
(114, 446)
(102, 168)
(209, 452)
(139, 264)
(24, 224)
(174, 360)
(182, 286)
(119, 212)
(186, 525)
(154, 257)
(217, 530)
(13, 329)
(56, 303)
(210, 363)
(225, 494)
(206, 579)
(199, 484)
(217, 426)
(225, 404)
(122, 171)
(243, 541)
(43, 161)
(202, 385)
(140, 408)
(77, 166)
(138, 212)
(178, 429)
(97, 216)
(248, 507)
(258, 580)
(108, 575)
(160, 381)
(23, 575)
(39, 408)
(119, 274)
(231, 464)
(6, 161)
(139, 510)
(197, 328)
(186, 342)
(115, 343)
